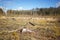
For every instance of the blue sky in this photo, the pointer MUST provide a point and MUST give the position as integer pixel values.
(28, 4)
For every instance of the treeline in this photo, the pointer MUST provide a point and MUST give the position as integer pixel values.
(49, 11)
(38, 11)
(18, 13)
(2, 13)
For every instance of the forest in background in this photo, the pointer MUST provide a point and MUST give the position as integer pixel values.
(34, 12)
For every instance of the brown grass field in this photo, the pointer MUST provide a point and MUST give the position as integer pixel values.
(45, 28)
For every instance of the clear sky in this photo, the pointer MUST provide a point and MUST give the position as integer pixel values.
(28, 4)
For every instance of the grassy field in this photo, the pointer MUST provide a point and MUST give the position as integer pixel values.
(45, 28)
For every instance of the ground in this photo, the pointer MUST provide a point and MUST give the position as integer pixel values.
(43, 29)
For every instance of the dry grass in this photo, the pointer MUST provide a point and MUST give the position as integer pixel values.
(43, 29)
